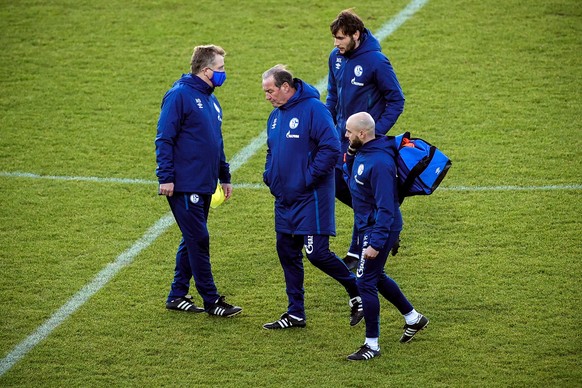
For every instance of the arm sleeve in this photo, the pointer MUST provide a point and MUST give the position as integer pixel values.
(348, 167)
(268, 158)
(327, 145)
(331, 98)
(392, 92)
(224, 170)
(383, 184)
(167, 132)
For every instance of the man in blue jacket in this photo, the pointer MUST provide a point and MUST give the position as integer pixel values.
(191, 160)
(302, 148)
(361, 79)
(371, 175)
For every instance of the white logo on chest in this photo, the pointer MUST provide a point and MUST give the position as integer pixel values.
(360, 172)
(294, 123)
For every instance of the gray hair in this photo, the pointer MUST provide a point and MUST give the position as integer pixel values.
(280, 74)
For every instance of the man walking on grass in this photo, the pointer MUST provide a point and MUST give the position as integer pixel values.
(302, 148)
(371, 172)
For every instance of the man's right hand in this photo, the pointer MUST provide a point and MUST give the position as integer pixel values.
(166, 189)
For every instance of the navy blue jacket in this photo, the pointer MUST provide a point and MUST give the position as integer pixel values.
(363, 81)
(302, 148)
(373, 185)
(189, 145)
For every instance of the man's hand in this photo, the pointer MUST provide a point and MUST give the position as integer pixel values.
(370, 253)
(166, 189)
(395, 247)
(227, 188)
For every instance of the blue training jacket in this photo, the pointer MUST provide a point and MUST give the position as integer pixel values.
(189, 145)
(363, 81)
(373, 185)
(302, 148)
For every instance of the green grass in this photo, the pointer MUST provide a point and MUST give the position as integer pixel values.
(495, 85)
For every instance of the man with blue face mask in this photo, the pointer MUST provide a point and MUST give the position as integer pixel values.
(190, 158)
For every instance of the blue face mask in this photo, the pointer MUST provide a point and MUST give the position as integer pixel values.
(218, 78)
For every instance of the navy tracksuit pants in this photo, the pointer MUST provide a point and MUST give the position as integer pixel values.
(289, 249)
(372, 279)
(193, 257)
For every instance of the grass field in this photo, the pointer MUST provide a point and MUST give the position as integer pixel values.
(493, 257)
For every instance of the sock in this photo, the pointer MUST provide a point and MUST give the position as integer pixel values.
(412, 317)
(372, 343)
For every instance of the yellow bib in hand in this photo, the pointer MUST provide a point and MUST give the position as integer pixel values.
(217, 197)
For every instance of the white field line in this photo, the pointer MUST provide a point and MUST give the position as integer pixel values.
(150, 236)
(243, 154)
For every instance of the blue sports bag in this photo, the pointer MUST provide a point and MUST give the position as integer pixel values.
(421, 166)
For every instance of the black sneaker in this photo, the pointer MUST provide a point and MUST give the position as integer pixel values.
(411, 330)
(285, 322)
(351, 262)
(364, 353)
(357, 311)
(222, 309)
(183, 304)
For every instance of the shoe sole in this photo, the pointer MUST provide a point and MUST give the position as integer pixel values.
(363, 359)
(411, 337)
(196, 311)
(225, 316)
(283, 328)
(357, 323)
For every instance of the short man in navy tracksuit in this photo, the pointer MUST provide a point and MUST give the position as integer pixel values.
(191, 160)
(302, 151)
(371, 174)
(361, 79)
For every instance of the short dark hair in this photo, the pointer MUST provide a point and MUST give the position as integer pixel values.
(348, 22)
(280, 75)
(204, 56)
